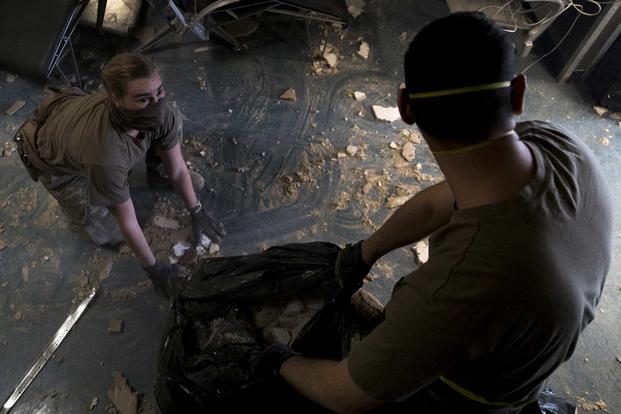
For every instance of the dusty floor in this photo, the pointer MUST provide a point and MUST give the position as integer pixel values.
(277, 171)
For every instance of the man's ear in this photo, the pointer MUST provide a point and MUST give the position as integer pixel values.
(403, 102)
(518, 92)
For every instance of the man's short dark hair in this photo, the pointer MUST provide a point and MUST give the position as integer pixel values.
(461, 50)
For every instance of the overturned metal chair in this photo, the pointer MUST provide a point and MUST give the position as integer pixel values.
(215, 15)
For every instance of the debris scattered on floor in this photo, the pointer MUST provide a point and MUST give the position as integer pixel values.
(121, 394)
(402, 194)
(202, 49)
(422, 252)
(412, 136)
(351, 150)
(408, 151)
(115, 326)
(585, 405)
(601, 111)
(166, 223)
(17, 105)
(386, 113)
(93, 404)
(363, 50)
(393, 145)
(604, 141)
(289, 95)
(10, 78)
(355, 7)
(359, 96)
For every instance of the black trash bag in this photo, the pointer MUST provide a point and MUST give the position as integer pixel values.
(232, 307)
(551, 403)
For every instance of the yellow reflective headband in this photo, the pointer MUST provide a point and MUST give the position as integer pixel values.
(457, 91)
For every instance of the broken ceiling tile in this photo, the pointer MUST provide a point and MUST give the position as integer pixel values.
(289, 95)
(388, 114)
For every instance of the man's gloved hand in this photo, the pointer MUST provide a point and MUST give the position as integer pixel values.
(350, 267)
(165, 279)
(203, 222)
(267, 363)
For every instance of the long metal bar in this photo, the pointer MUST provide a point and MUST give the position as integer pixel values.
(47, 353)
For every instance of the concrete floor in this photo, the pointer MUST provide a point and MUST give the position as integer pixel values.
(256, 144)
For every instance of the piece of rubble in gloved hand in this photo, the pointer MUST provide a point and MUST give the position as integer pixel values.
(181, 247)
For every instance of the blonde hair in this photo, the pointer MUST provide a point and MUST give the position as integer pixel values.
(124, 68)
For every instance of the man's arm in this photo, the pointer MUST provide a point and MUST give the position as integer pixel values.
(423, 214)
(179, 175)
(327, 383)
(125, 216)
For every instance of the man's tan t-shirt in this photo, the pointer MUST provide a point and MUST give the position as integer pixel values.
(507, 288)
(77, 138)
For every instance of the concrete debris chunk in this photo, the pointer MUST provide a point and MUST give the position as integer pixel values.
(93, 404)
(393, 145)
(386, 113)
(121, 394)
(115, 326)
(364, 50)
(601, 111)
(351, 150)
(360, 96)
(10, 78)
(409, 151)
(341, 155)
(289, 95)
(17, 105)
(355, 7)
(166, 223)
(331, 58)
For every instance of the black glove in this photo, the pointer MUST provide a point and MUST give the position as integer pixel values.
(350, 268)
(267, 363)
(165, 279)
(203, 222)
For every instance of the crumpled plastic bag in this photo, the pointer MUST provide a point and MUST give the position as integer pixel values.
(286, 294)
